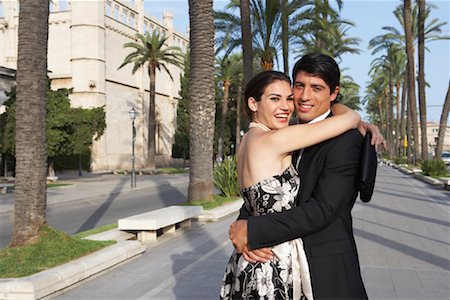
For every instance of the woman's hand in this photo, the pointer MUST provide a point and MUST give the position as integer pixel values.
(377, 137)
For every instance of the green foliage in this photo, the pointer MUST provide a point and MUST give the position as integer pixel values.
(225, 177)
(72, 162)
(434, 167)
(181, 146)
(400, 160)
(349, 93)
(8, 125)
(150, 49)
(70, 131)
(216, 201)
(53, 248)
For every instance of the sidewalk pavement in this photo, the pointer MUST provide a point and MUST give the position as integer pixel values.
(90, 186)
(402, 235)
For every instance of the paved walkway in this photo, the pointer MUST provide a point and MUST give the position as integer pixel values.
(403, 237)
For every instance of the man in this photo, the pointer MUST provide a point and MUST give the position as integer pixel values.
(329, 178)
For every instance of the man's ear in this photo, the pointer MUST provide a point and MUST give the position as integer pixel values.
(334, 95)
(252, 104)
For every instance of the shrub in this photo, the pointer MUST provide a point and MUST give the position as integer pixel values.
(399, 160)
(434, 167)
(225, 177)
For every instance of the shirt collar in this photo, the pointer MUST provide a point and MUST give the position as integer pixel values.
(321, 117)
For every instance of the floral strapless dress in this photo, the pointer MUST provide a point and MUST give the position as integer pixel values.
(287, 275)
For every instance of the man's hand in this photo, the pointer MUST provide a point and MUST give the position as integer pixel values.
(377, 138)
(238, 236)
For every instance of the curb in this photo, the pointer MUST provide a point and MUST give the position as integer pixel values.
(417, 173)
(53, 280)
(218, 213)
(429, 179)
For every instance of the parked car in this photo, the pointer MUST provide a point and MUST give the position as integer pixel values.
(446, 157)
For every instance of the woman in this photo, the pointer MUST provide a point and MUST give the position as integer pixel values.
(270, 183)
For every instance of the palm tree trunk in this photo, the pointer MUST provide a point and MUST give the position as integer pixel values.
(285, 35)
(398, 133)
(238, 115)
(151, 142)
(402, 119)
(201, 95)
(409, 138)
(226, 92)
(443, 124)
(411, 76)
(421, 79)
(246, 31)
(31, 132)
(390, 111)
(380, 110)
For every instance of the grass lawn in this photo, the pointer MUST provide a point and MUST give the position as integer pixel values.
(217, 201)
(96, 230)
(53, 248)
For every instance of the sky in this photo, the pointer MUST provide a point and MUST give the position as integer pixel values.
(369, 18)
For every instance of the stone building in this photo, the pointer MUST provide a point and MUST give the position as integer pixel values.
(432, 136)
(85, 49)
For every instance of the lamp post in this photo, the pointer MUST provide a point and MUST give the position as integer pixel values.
(133, 115)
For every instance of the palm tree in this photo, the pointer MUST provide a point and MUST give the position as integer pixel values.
(246, 33)
(421, 78)
(285, 34)
(392, 65)
(266, 26)
(228, 71)
(267, 19)
(201, 94)
(31, 133)
(431, 32)
(443, 124)
(288, 10)
(349, 92)
(410, 67)
(150, 49)
(328, 36)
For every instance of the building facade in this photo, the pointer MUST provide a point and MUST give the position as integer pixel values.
(432, 136)
(85, 49)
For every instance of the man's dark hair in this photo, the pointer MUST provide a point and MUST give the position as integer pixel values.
(257, 85)
(320, 65)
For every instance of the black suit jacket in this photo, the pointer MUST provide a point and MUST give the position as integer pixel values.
(329, 182)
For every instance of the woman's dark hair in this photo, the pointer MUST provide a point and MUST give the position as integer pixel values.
(320, 65)
(256, 86)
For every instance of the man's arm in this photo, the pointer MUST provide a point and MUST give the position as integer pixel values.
(243, 213)
(336, 186)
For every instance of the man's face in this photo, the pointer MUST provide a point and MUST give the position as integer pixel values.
(312, 96)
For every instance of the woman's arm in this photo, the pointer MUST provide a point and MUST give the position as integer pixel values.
(299, 136)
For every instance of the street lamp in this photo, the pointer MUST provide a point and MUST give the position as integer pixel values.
(133, 115)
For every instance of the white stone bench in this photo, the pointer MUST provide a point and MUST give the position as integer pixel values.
(164, 220)
(4, 187)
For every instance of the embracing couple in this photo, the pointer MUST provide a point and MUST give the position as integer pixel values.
(294, 235)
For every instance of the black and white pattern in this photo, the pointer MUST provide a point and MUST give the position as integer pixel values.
(273, 279)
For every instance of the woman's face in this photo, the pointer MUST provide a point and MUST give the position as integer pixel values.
(276, 105)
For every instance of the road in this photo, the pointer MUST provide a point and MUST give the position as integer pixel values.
(83, 214)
